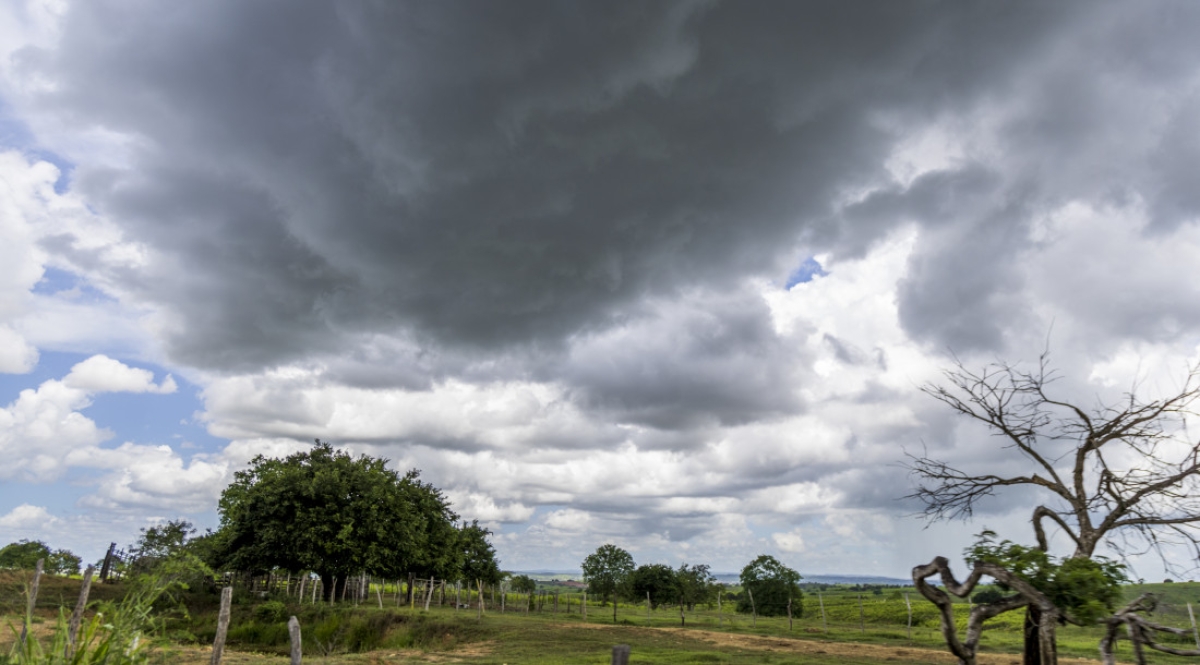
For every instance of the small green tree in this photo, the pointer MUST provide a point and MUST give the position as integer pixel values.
(23, 554)
(63, 562)
(523, 584)
(773, 585)
(696, 585)
(607, 571)
(657, 581)
(478, 557)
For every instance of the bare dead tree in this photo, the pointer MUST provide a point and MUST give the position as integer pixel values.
(1024, 595)
(1125, 474)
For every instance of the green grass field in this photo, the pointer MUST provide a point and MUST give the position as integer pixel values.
(877, 632)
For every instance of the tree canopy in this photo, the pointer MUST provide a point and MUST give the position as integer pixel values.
(607, 571)
(325, 511)
(24, 554)
(523, 584)
(696, 584)
(655, 581)
(478, 557)
(773, 585)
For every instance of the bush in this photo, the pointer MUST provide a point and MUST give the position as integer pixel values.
(271, 611)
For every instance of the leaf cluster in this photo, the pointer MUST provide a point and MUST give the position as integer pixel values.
(773, 586)
(325, 511)
(24, 555)
(607, 570)
(1085, 589)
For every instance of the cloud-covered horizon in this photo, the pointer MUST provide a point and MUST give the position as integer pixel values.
(668, 275)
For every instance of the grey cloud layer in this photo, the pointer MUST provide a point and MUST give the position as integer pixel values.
(589, 196)
(490, 177)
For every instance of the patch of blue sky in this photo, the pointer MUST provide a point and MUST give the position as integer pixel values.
(808, 269)
(56, 281)
(16, 135)
(142, 418)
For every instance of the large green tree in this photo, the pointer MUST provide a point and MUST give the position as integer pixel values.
(773, 585)
(325, 511)
(607, 571)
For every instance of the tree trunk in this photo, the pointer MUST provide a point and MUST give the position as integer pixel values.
(331, 585)
(1032, 649)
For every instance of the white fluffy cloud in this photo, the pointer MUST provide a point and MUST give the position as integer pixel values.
(26, 517)
(45, 432)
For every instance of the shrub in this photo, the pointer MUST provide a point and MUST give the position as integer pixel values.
(271, 611)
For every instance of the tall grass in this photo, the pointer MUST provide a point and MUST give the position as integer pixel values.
(118, 633)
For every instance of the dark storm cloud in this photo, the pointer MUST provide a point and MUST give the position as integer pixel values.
(691, 363)
(485, 176)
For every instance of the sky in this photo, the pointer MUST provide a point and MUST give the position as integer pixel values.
(667, 275)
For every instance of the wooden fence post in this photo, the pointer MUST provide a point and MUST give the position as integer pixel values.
(77, 615)
(789, 613)
(479, 585)
(106, 567)
(753, 610)
(821, 602)
(33, 591)
(1192, 617)
(620, 654)
(294, 636)
(300, 594)
(720, 619)
(379, 593)
(862, 626)
(909, 604)
(222, 625)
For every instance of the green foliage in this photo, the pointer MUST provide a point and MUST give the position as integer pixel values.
(523, 584)
(656, 579)
(119, 633)
(270, 611)
(697, 585)
(607, 571)
(325, 511)
(23, 554)
(1086, 589)
(478, 557)
(772, 585)
(63, 562)
(987, 595)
